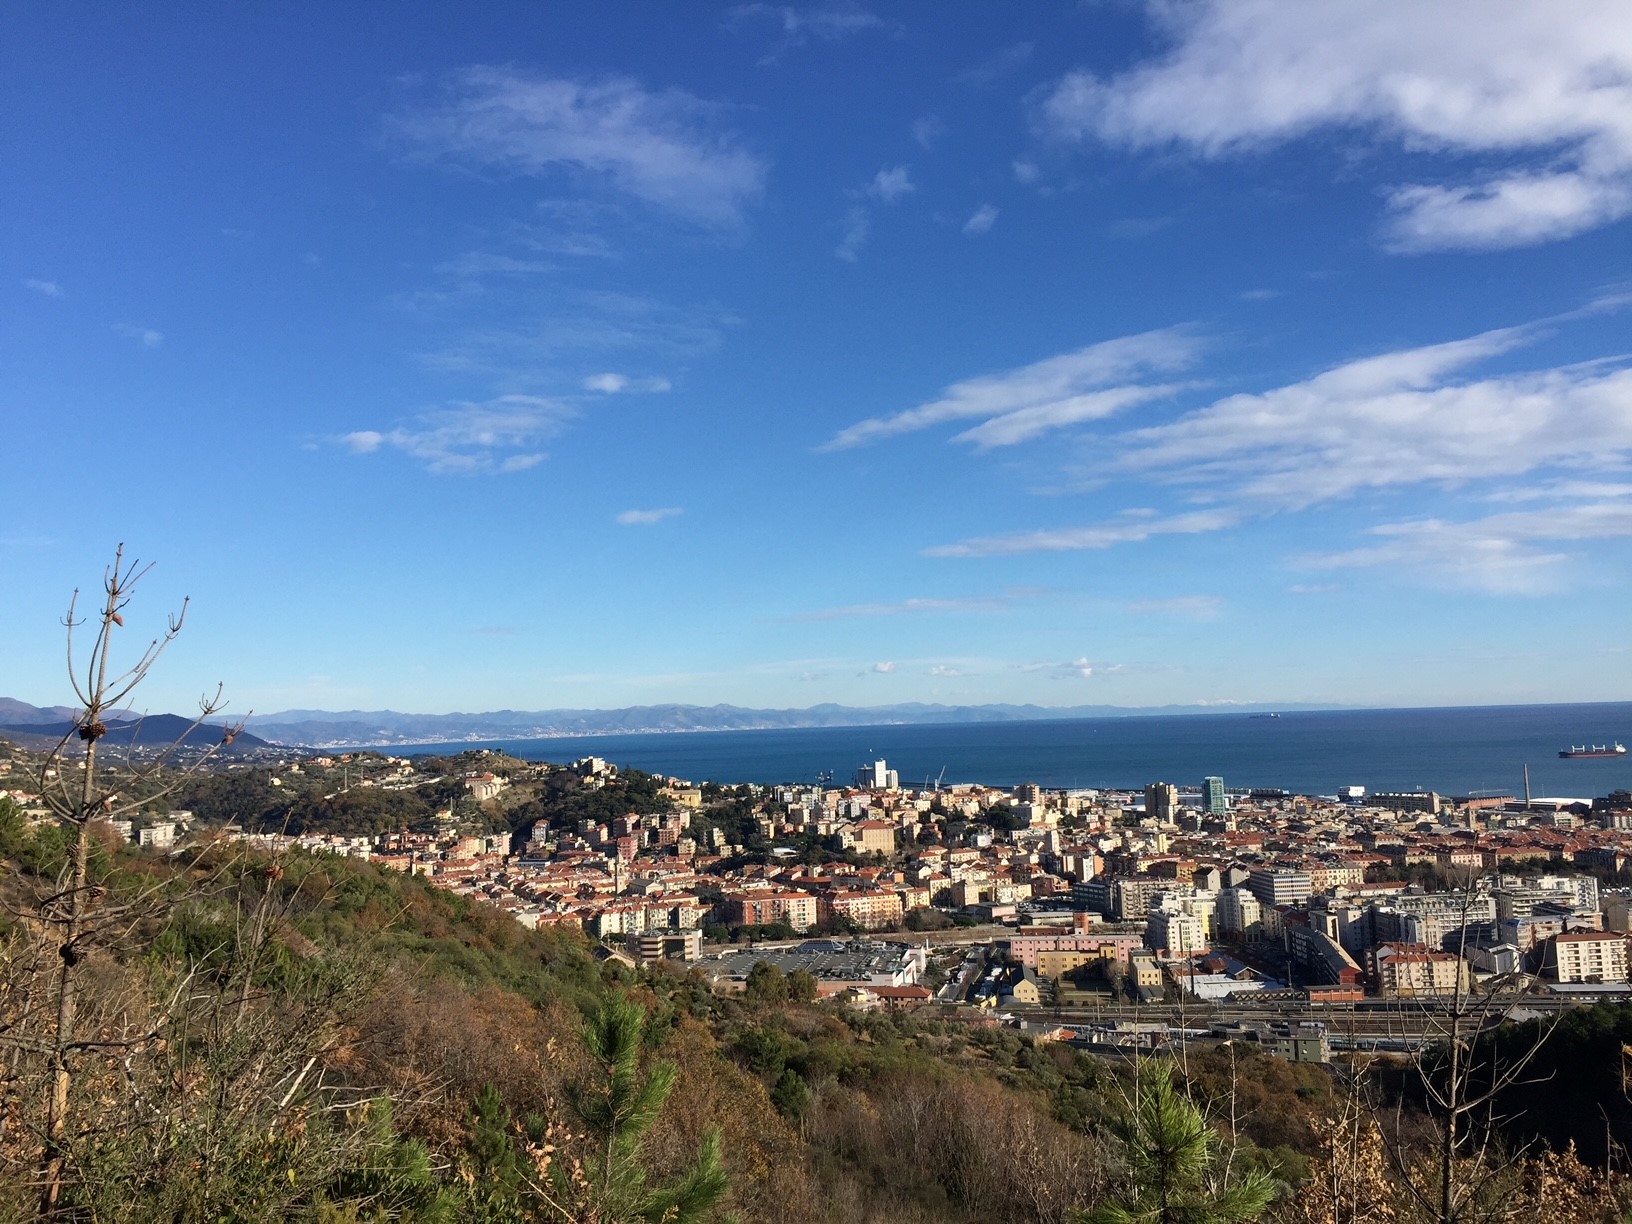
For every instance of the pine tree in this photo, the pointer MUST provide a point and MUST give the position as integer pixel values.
(617, 1109)
(1175, 1171)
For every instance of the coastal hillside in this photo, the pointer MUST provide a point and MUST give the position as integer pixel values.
(390, 1051)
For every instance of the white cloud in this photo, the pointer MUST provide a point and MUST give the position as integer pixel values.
(857, 227)
(927, 130)
(1026, 171)
(47, 287)
(1041, 395)
(665, 148)
(940, 669)
(981, 220)
(1540, 94)
(498, 435)
(892, 184)
(1131, 528)
(646, 518)
(611, 384)
(800, 24)
(1397, 419)
(1503, 554)
(883, 669)
(1072, 669)
(1024, 424)
(146, 335)
(364, 441)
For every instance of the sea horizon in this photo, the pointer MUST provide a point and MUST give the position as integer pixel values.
(1448, 749)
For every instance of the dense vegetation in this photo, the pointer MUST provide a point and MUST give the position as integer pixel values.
(320, 1038)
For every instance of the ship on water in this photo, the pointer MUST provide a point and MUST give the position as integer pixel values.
(1592, 750)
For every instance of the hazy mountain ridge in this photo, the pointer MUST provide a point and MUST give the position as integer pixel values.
(367, 728)
(44, 726)
(350, 728)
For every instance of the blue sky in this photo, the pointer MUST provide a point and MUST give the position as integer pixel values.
(608, 354)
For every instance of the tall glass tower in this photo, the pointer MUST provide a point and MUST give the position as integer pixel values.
(1212, 794)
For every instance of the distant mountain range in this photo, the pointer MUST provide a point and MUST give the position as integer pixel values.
(354, 728)
(368, 728)
(45, 726)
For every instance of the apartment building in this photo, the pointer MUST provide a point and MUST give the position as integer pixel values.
(1588, 956)
(1279, 886)
(1238, 913)
(1403, 971)
(869, 908)
(798, 910)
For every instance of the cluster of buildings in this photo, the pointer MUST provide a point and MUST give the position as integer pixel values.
(1201, 889)
(1316, 891)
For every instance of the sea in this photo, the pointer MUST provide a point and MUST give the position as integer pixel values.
(1460, 750)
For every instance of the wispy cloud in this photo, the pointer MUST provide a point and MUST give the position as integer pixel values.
(1134, 228)
(1401, 418)
(927, 130)
(476, 265)
(598, 324)
(1557, 437)
(883, 669)
(1540, 95)
(666, 148)
(612, 384)
(498, 435)
(983, 603)
(647, 518)
(146, 336)
(1186, 607)
(1026, 171)
(891, 184)
(998, 65)
(980, 221)
(1020, 403)
(1131, 528)
(855, 230)
(1081, 668)
(941, 669)
(1024, 424)
(1517, 553)
(48, 287)
(798, 26)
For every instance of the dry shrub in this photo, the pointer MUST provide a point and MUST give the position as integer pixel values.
(433, 1046)
(763, 1153)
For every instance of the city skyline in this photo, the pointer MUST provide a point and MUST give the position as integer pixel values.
(1193, 354)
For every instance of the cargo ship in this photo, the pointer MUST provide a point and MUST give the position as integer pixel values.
(1594, 750)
